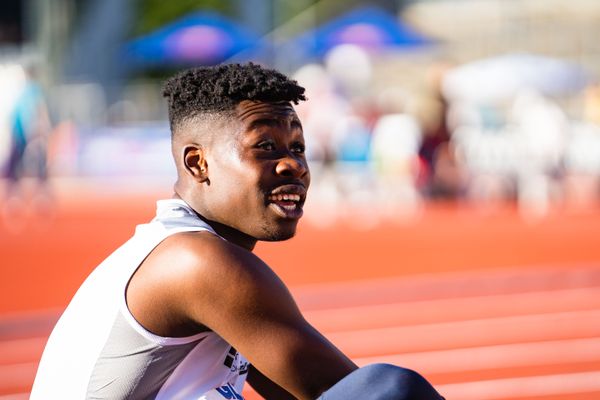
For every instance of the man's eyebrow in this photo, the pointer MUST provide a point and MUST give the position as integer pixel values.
(257, 123)
(272, 122)
(296, 123)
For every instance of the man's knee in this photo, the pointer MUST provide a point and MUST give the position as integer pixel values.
(384, 381)
(401, 383)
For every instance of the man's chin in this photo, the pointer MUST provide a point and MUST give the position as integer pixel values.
(278, 238)
(279, 234)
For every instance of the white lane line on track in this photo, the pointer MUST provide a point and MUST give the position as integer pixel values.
(458, 309)
(495, 357)
(17, 375)
(15, 396)
(20, 350)
(475, 333)
(518, 388)
(445, 286)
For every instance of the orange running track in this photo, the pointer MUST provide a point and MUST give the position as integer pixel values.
(46, 259)
(484, 303)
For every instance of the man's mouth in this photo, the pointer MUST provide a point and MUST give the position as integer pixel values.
(287, 201)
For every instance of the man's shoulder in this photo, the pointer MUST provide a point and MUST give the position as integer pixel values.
(201, 257)
(204, 247)
(185, 275)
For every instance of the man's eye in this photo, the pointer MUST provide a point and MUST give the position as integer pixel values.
(269, 146)
(298, 148)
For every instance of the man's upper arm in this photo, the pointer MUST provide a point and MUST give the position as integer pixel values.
(232, 292)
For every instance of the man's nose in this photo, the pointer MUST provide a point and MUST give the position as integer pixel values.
(291, 166)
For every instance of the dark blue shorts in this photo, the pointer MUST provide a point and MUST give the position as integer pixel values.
(382, 382)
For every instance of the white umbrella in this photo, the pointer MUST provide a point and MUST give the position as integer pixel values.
(500, 78)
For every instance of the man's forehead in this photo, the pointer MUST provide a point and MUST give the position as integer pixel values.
(248, 109)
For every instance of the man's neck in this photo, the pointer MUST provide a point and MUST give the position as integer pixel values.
(228, 233)
(231, 235)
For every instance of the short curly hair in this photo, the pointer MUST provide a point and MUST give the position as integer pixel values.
(220, 88)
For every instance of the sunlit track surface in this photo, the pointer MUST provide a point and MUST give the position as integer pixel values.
(529, 334)
(504, 334)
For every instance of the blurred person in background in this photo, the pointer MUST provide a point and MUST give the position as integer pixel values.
(431, 112)
(12, 80)
(582, 154)
(30, 126)
(397, 137)
(184, 309)
(449, 179)
(540, 128)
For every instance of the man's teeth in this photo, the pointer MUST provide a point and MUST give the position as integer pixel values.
(285, 197)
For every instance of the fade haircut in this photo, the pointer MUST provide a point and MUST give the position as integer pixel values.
(218, 89)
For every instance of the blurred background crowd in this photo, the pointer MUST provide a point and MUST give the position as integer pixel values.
(480, 101)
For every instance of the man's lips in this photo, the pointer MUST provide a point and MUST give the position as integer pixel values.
(287, 200)
(298, 189)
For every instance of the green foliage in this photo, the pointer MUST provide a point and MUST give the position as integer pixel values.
(153, 14)
(287, 9)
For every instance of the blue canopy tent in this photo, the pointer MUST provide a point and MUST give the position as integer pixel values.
(367, 27)
(201, 38)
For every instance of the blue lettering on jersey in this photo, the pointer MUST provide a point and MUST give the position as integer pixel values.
(229, 392)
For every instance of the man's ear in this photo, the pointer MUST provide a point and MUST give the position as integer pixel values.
(195, 163)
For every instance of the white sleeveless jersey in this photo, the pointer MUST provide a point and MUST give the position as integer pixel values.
(97, 350)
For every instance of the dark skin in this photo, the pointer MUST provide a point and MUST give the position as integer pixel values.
(249, 183)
